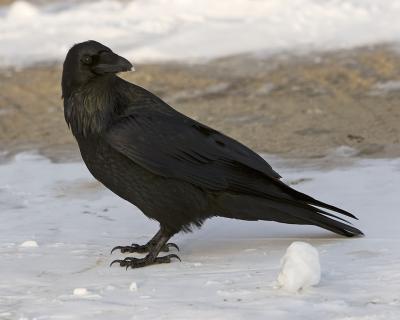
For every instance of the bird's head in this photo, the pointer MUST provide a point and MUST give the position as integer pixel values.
(88, 60)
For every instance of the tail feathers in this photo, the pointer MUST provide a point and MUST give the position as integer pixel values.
(323, 221)
(286, 211)
(324, 205)
(308, 206)
(310, 200)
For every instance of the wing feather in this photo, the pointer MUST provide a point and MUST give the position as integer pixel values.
(179, 147)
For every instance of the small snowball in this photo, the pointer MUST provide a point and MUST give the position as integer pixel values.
(80, 292)
(300, 267)
(133, 287)
(29, 244)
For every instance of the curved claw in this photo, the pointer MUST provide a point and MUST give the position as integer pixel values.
(132, 248)
(170, 256)
(125, 249)
(172, 245)
(121, 262)
(116, 248)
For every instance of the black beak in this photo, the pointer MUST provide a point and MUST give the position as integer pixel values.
(109, 62)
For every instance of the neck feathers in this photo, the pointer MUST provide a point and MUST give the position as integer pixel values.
(90, 109)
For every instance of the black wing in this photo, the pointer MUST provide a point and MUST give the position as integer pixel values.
(172, 145)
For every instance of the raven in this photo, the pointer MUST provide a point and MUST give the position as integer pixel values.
(174, 169)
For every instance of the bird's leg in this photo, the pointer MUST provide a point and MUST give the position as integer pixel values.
(134, 247)
(159, 242)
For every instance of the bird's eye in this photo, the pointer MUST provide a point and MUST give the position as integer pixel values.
(87, 59)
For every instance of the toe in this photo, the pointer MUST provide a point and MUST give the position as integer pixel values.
(167, 259)
(117, 248)
(121, 262)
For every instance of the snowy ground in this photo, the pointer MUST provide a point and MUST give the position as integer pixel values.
(190, 29)
(228, 269)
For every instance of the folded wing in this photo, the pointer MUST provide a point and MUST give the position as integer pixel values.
(174, 146)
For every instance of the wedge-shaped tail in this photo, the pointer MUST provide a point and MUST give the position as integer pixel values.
(294, 211)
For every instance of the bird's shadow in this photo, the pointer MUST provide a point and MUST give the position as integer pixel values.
(221, 235)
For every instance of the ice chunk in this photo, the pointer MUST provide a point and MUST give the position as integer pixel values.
(300, 267)
(133, 286)
(29, 244)
(80, 292)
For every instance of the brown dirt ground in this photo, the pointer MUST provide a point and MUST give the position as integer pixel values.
(294, 106)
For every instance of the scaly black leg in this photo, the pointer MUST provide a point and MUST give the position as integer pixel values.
(136, 248)
(160, 241)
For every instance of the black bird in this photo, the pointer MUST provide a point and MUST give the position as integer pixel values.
(174, 169)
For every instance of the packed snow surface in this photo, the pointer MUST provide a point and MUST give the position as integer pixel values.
(190, 29)
(228, 268)
(300, 267)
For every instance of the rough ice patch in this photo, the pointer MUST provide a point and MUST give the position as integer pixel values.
(29, 244)
(300, 267)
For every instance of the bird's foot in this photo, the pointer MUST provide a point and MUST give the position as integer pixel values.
(136, 248)
(133, 263)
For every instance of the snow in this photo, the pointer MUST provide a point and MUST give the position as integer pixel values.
(192, 30)
(300, 267)
(80, 292)
(228, 268)
(133, 286)
(29, 244)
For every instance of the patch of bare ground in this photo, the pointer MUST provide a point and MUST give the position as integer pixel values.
(290, 105)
